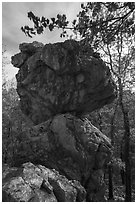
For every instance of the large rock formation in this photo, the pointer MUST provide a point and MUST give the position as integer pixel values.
(72, 146)
(56, 84)
(59, 78)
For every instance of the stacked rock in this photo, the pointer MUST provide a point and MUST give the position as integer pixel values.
(57, 84)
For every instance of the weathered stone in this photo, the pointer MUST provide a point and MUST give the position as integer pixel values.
(59, 78)
(31, 183)
(19, 59)
(72, 146)
(14, 187)
(31, 48)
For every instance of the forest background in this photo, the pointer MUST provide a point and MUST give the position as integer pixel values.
(109, 28)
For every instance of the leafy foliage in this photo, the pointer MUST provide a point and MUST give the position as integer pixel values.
(96, 21)
(13, 123)
(42, 23)
(103, 21)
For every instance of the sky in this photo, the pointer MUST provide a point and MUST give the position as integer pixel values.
(14, 15)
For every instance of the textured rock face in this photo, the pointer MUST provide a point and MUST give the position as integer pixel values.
(56, 83)
(74, 147)
(59, 78)
(31, 183)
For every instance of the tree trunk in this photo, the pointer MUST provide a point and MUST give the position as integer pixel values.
(111, 196)
(110, 167)
(127, 158)
(127, 144)
(126, 152)
(122, 172)
(122, 156)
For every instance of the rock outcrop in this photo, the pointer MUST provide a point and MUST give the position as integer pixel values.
(72, 146)
(31, 183)
(60, 78)
(63, 156)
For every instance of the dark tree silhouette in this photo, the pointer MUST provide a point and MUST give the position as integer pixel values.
(96, 21)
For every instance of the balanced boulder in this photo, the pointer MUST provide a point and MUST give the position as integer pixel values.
(60, 78)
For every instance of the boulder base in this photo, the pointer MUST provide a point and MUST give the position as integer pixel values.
(74, 147)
